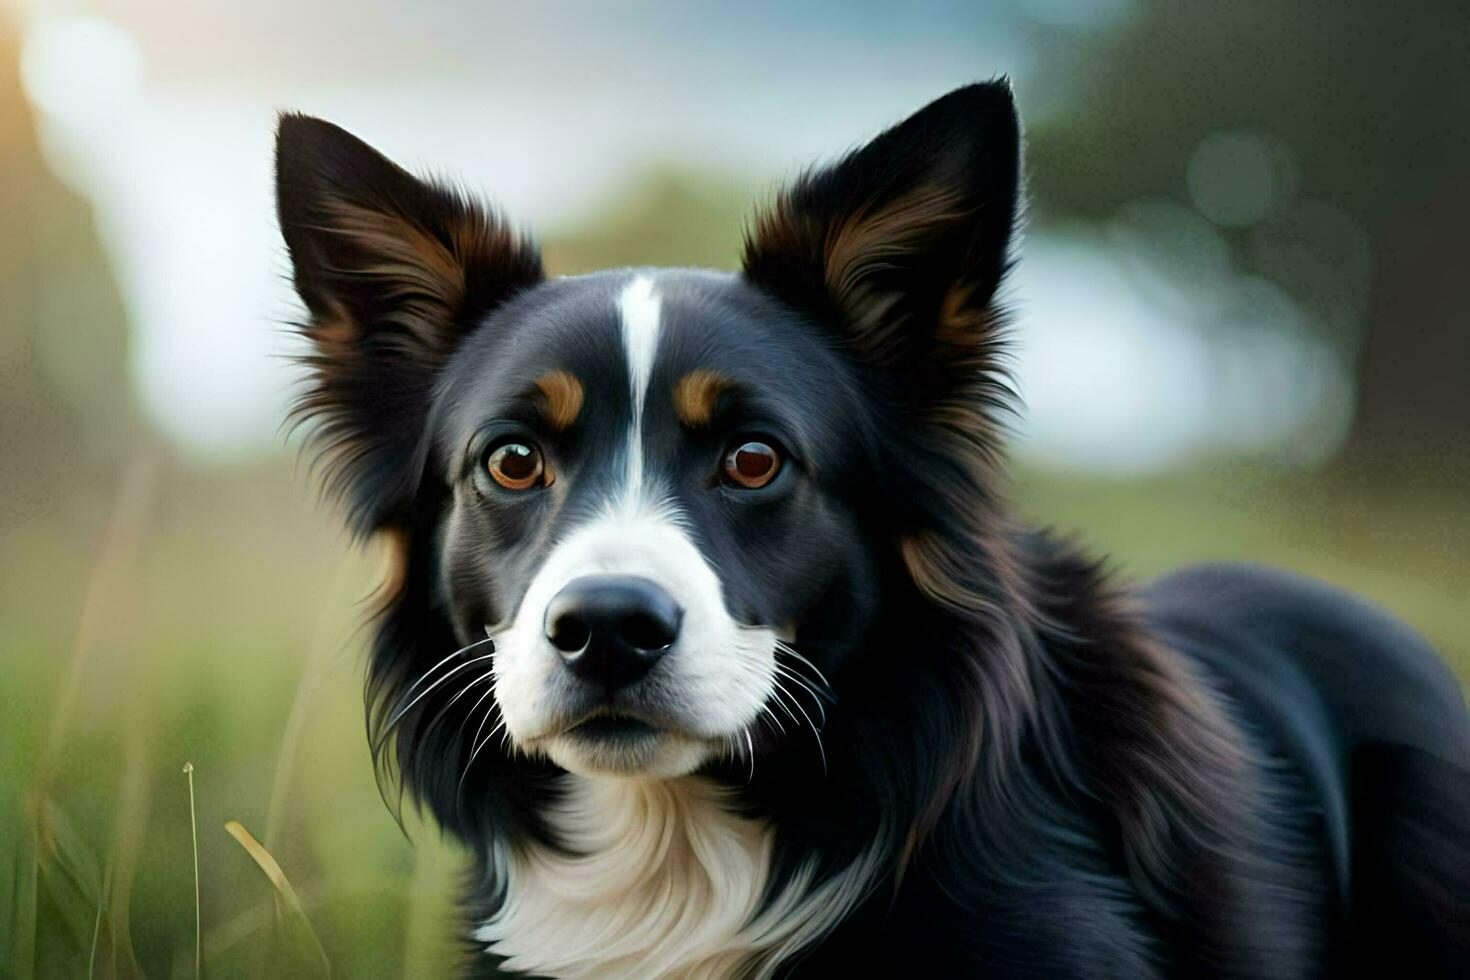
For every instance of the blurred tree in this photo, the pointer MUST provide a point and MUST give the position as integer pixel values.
(1414, 399)
(66, 413)
(1366, 104)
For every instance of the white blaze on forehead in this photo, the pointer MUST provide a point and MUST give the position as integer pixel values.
(638, 311)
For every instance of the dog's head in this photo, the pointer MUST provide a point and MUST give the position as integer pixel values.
(642, 517)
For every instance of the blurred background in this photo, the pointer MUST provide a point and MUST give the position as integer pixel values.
(1240, 321)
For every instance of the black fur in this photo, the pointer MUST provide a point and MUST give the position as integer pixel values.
(1064, 778)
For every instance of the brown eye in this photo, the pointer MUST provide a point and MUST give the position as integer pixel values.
(752, 465)
(517, 466)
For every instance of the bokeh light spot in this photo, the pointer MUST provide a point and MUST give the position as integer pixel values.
(1236, 178)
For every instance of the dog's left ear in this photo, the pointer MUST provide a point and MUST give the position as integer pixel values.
(395, 272)
(900, 245)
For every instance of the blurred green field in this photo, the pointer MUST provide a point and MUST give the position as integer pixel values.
(208, 616)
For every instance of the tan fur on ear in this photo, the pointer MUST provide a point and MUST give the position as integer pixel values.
(865, 241)
(561, 398)
(427, 278)
(695, 395)
(334, 330)
(871, 237)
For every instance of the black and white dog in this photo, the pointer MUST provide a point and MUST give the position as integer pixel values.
(710, 633)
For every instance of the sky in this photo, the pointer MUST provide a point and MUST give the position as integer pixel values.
(161, 114)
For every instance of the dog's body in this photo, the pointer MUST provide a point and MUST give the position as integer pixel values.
(711, 636)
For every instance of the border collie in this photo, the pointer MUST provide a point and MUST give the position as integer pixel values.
(710, 633)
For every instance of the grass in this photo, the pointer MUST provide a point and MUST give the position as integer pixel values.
(194, 840)
(211, 616)
(286, 895)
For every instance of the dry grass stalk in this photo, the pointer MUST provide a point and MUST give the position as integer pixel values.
(284, 892)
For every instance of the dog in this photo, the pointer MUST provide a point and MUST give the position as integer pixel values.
(710, 633)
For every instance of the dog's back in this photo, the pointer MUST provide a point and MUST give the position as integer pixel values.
(1375, 726)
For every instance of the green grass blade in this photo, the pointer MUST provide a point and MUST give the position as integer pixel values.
(25, 897)
(287, 895)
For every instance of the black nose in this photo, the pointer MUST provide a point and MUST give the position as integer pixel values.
(612, 628)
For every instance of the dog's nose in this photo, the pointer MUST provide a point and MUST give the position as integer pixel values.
(612, 628)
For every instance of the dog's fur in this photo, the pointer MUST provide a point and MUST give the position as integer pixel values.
(898, 733)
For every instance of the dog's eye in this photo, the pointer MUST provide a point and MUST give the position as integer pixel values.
(517, 466)
(752, 465)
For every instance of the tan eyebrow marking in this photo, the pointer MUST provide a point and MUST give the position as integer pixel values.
(695, 395)
(561, 397)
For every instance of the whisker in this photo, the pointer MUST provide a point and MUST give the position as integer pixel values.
(482, 743)
(817, 688)
(398, 715)
(766, 712)
(476, 742)
(778, 689)
(816, 733)
(806, 685)
(471, 713)
(430, 672)
(439, 715)
(787, 649)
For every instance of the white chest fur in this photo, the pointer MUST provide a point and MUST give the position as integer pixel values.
(665, 882)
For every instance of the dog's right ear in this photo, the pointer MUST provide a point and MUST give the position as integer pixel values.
(898, 249)
(394, 272)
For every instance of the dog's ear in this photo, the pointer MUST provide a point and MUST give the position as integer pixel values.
(900, 245)
(394, 272)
